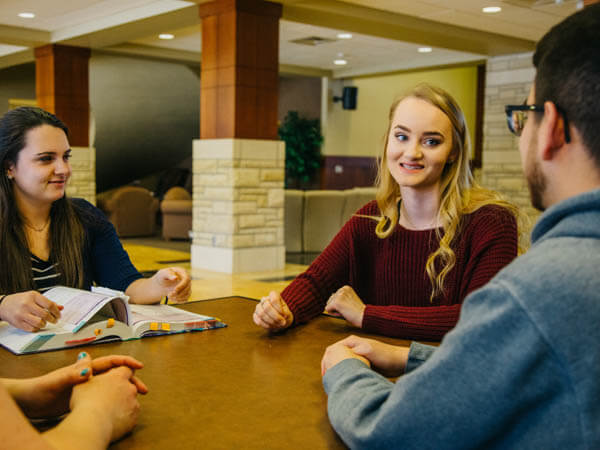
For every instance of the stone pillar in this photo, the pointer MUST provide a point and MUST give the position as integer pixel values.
(238, 205)
(239, 164)
(83, 174)
(62, 87)
(508, 81)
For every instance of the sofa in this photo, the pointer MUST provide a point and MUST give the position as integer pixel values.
(176, 209)
(313, 218)
(131, 209)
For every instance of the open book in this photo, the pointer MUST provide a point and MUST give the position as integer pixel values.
(101, 315)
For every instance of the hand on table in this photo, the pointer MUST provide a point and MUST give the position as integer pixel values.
(389, 360)
(175, 283)
(49, 395)
(272, 313)
(338, 352)
(345, 303)
(110, 398)
(29, 311)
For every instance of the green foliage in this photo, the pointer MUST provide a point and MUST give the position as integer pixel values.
(303, 141)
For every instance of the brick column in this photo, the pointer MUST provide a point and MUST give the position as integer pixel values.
(239, 165)
(62, 88)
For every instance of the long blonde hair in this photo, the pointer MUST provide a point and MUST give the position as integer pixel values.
(459, 193)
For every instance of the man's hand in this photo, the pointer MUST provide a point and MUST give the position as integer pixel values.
(389, 360)
(336, 353)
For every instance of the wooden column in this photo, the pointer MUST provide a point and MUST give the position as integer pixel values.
(62, 87)
(590, 2)
(240, 64)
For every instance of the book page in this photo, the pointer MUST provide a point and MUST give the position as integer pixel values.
(79, 306)
(162, 313)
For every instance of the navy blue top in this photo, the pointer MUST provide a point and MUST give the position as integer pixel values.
(105, 261)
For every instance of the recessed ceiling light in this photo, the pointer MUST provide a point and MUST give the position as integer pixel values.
(166, 36)
(491, 9)
(344, 35)
(26, 15)
(424, 49)
(340, 62)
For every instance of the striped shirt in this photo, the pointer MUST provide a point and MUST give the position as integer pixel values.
(45, 274)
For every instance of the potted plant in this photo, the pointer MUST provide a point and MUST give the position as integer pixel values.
(303, 141)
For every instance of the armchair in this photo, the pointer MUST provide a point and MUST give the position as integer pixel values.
(131, 209)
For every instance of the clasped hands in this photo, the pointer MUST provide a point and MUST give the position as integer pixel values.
(272, 313)
(389, 360)
(102, 389)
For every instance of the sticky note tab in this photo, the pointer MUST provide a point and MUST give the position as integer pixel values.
(153, 326)
(97, 331)
(165, 326)
(110, 323)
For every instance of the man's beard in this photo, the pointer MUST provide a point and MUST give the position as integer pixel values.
(537, 185)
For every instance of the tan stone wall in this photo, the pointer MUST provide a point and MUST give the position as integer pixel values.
(508, 80)
(83, 174)
(238, 202)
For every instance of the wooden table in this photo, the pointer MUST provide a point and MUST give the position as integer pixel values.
(235, 387)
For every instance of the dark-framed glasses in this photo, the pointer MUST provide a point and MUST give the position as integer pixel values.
(516, 116)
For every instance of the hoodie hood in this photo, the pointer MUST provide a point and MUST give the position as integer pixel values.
(577, 216)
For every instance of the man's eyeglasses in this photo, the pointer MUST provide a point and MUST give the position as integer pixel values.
(516, 116)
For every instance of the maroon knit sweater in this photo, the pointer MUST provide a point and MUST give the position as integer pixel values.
(389, 274)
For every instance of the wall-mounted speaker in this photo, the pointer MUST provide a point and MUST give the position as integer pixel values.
(348, 97)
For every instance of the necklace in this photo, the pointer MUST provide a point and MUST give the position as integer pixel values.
(404, 216)
(39, 230)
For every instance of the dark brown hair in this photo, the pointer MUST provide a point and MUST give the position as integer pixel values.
(66, 229)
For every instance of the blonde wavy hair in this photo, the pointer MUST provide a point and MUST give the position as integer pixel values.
(459, 193)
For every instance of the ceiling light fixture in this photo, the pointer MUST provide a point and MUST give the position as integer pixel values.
(26, 15)
(344, 35)
(424, 49)
(166, 36)
(340, 62)
(491, 9)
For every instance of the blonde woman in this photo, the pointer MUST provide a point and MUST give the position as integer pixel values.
(402, 265)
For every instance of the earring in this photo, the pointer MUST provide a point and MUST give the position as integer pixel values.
(9, 176)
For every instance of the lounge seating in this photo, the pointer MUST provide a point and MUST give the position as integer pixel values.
(313, 218)
(131, 209)
(176, 209)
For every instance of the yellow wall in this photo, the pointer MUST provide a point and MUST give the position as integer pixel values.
(360, 132)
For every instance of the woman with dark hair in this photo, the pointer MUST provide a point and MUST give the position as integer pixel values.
(47, 239)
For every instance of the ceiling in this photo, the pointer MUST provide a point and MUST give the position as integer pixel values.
(386, 34)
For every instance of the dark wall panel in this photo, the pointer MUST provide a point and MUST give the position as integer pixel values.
(146, 115)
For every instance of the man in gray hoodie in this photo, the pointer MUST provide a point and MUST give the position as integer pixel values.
(522, 367)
